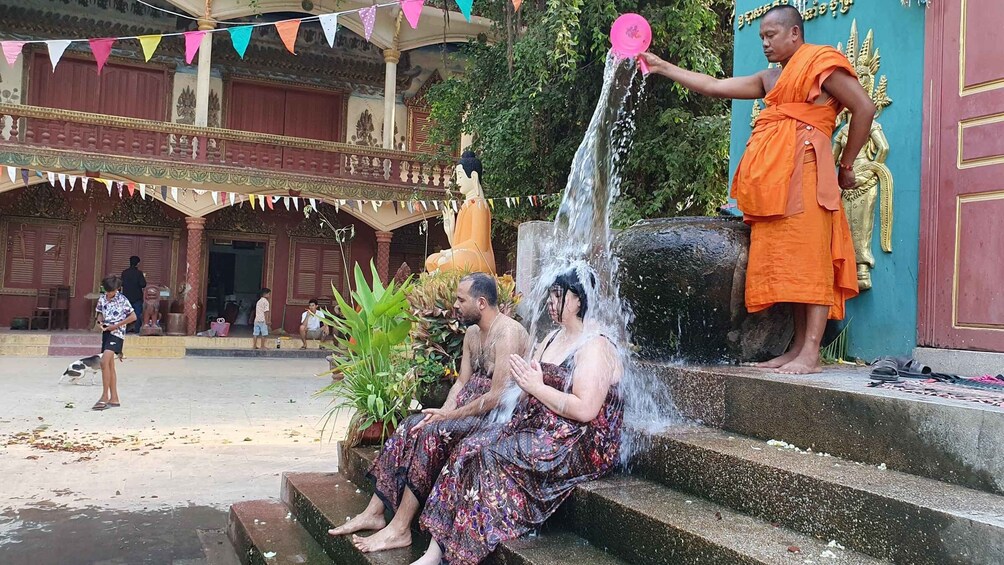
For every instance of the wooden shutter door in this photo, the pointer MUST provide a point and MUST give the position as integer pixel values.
(54, 253)
(420, 124)
(118, 249)
(21, 252)
(306, 271)
(257, 108)
(331, 268)
(155, 260)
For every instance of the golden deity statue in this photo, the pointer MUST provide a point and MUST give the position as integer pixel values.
(873, 177)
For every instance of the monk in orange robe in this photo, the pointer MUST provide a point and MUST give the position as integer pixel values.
(787, 184)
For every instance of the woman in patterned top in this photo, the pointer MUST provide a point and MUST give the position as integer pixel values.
(114, 314)
(502, 482)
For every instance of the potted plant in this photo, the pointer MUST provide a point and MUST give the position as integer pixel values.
(372, 354)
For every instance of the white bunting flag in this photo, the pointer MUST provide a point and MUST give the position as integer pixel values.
(285, 200)
(142, 190)
(216, 198)
(52, 178)
(12, 173)
(329, 23)
(174, 193)
(233, 198)
(62, 180)
(454, 204)
(56, 49)
(313, 204)
(83, 184)
(261, 201)
(296, 203)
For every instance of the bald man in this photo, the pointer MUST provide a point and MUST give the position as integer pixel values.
(787, 184)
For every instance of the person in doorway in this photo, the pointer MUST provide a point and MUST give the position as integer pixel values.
(412, 458)
(114, 314)
(133, 283)
(261, 318)
(310, 324)
(787, 184)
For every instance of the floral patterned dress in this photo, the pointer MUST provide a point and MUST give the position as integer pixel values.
(413, 460)
(503, 481)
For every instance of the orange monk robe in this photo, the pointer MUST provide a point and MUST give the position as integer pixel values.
(786, 185)
(472, 241)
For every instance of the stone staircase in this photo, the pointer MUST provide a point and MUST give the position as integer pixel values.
(83, 344)
(878, 476)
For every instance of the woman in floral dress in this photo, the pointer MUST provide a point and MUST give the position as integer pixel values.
(501, 482)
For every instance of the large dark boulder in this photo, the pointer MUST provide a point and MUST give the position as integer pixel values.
(684, 279)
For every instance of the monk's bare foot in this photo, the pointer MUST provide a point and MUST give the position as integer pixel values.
(359, 523)
(802, 365)
(779, 361)
(387, 538)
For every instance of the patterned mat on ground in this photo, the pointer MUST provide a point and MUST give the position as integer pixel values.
(946, 390)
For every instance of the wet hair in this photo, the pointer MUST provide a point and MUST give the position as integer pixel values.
(789, 17)
(312, 301)
(569, 282)
(133, 261)
(483, 286)
(470, 162)
(265, 292)
(111, 282)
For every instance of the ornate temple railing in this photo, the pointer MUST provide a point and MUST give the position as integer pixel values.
(48, 128)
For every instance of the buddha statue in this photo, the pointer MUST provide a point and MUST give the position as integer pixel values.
(470, 231)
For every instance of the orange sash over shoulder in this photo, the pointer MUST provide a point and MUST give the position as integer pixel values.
(766, 178)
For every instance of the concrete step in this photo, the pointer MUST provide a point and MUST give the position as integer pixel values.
(259, 353)
(262, 534)
(883, 513)
(91, 339)
(322, 500)
(836, 412)
(646, 523)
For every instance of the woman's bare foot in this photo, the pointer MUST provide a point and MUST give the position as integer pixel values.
(778, 361)
(432, 556)
(387, 538)
(361, 522)
(805, 364)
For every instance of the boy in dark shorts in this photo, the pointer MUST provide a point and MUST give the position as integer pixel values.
(114, 314)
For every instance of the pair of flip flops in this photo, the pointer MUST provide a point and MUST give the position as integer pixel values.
(891, 369)
(105, 405)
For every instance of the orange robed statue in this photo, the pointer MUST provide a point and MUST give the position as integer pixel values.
(470, 233)
(787, 184)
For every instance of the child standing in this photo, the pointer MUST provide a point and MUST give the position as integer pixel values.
(114, 314)
(261, 311)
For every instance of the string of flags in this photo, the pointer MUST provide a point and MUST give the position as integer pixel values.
(240, 35)
(263, 202)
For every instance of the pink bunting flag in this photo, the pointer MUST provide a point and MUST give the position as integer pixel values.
(101, 48)
(193, 39)
(368, 16)
(11, 50)
(412, 10)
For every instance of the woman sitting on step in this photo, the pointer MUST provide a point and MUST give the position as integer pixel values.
(502, 481)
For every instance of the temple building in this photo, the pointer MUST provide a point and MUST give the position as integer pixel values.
(150, 156)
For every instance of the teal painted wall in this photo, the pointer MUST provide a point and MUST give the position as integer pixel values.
(883, 319)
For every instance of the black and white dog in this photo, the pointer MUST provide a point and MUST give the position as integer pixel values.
(88, 366)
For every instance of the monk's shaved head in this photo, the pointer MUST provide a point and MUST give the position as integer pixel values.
(787, 16)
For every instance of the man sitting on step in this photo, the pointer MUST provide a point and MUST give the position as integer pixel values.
(410, 461)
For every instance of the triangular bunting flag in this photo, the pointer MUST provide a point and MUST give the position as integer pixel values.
(329, 24)
(454, 204)
(252, 199)
(368, 16)
(313, 204)
(12, 173)
(491, 203)
(240, 36)
(120, 190)
(107, 184)
(285, 200)
(24, 177)
(83, 184)
(216, 197)
(359, 205)
(56, 49)
(52, 178)
(142, 191)
(394, 202)
(376, 208)
(508, 202)
(425, 205)
(412, 10)
(223, 197)
(193, 39)
(62, 180)
(163, 193)
(233, 198)
(436, 204)
(11, 50)
(338, 207)
(149, 44)
(465, 8)
(296, 204)
(101, 48)
(516, 4)
(270, 201)
(261, 201)
(132, 189)
(287, 31)
(174, 193)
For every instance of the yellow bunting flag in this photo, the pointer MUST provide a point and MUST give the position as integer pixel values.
(149, 44)
(287, 31)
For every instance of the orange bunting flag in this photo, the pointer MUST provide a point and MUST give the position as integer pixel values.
(287, 31)
(516, 4)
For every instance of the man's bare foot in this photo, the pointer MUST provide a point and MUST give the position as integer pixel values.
(360, 523)
(432, 556)
(802, 365)
(779, 361)
(386, 538)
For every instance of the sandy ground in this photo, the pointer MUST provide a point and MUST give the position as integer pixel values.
(134, 484)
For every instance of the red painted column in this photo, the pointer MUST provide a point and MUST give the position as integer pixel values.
(193, 274)
(383, 239)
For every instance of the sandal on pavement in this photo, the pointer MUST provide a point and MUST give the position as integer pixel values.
(100, 406)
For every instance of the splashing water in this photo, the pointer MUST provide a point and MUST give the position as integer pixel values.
(582, 242)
